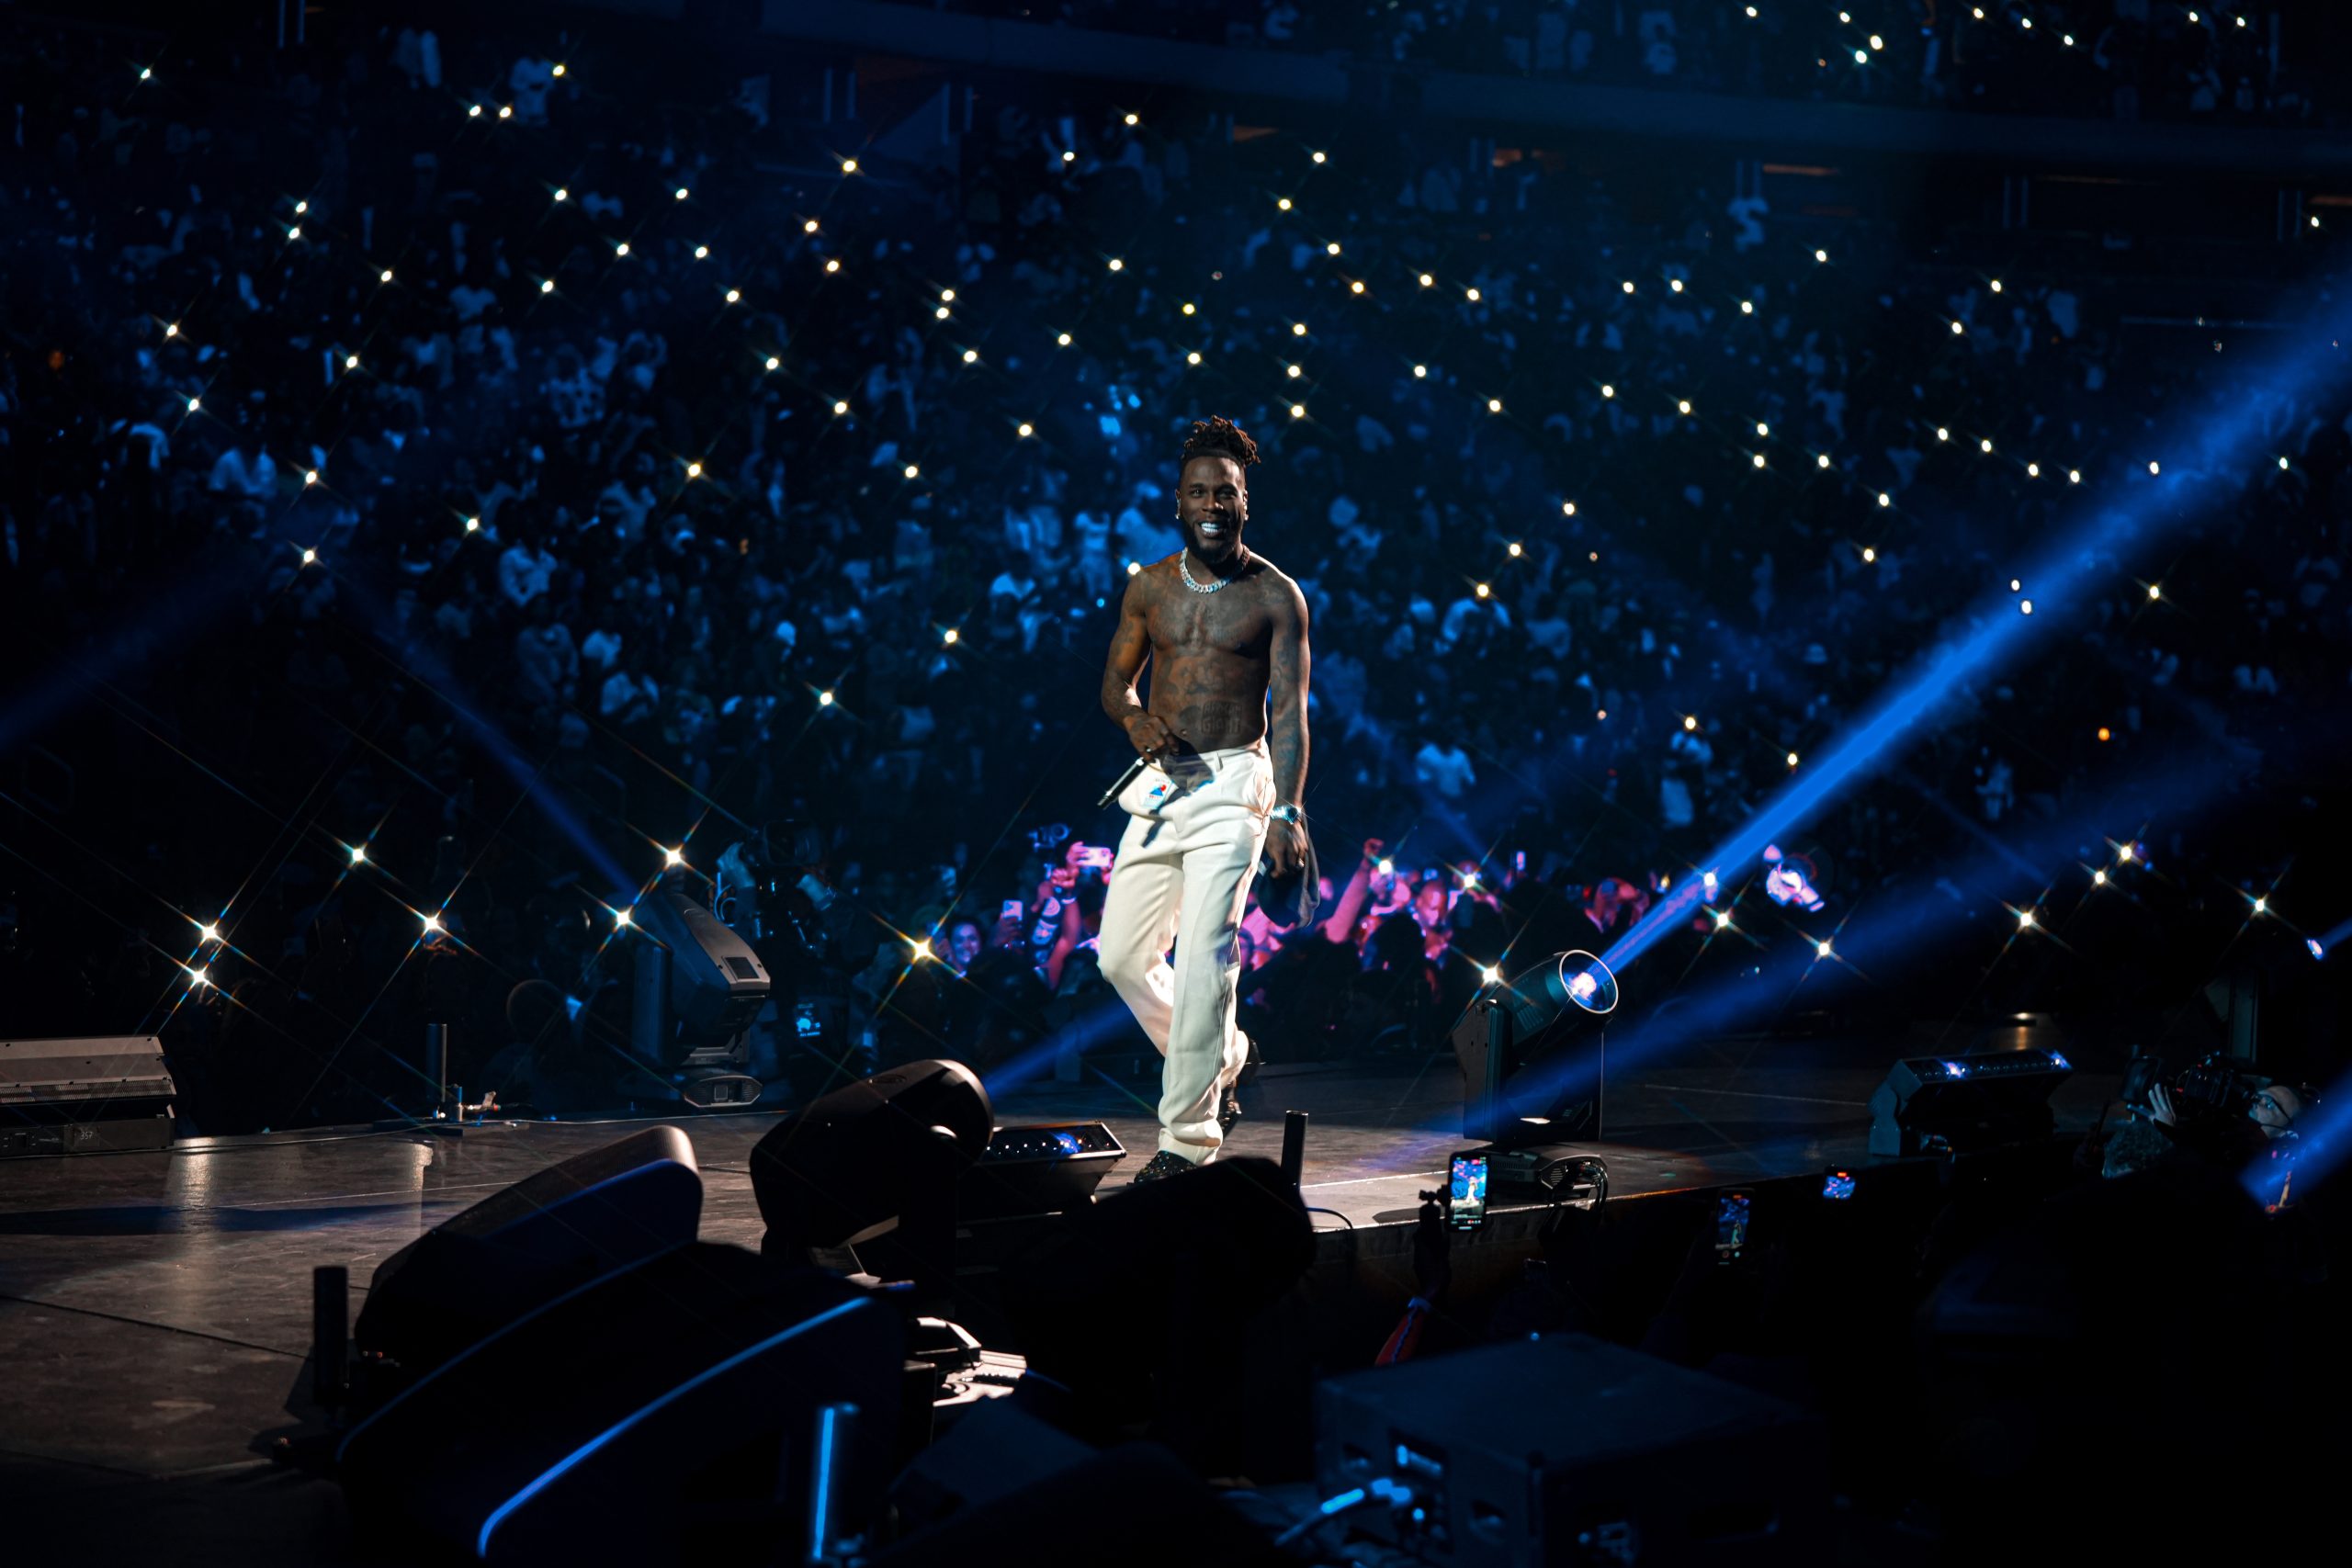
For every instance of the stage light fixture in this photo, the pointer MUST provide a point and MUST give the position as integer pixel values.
(1117, 265)
(1689, 721)
(621, 919)
(1567, 509)
(1131, 119)
(1821, 949)
(2025, 920)
(1494, 405)
(1298, 410)
(208, 932)
(921, 949)
(1471, 295)
(547, 286)
(1484, 590)
(295, 233)
(358, 855)
(693, 471)
(809, 227)
(2155, 591)
(1193, 357)
(473, 524)
(433, 925)
(1282, 204)
(562, 194)
(849, 165)
(309, 477)
(1683, 405)
(1332, 249)
(1792, 759)
(734, 295)
(351, 362)
(2262, 905)
(702, 252)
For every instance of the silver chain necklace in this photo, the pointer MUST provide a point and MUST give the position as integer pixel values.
(1185, 569)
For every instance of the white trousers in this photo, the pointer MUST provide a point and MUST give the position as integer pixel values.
(1183, 869)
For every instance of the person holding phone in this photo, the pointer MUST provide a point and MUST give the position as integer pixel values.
(1226, 734)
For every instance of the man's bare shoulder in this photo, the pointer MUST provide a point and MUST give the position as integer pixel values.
(1275, 586)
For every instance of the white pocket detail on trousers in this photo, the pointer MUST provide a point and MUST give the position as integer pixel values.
(1150, 790)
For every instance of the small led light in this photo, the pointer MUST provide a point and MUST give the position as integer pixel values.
(145, 72)
(809, 227)
(972, 356)
(1298, 410)
(824, 699)
(1318, 157)
(1027, 428)
(1355, 285)
(295, 233)
(300, 207)
(1821, 256)
(1420, 372)
(1600, 713)
(1471, 295)
(473, 524)
(1689, 721)
(1723, 919)
(558, 70)
(2025, 606)
(1675, 284)
(2033, 470)
(1428, 282)
(1282, 204)
(948, 636)
(1627, 286)
(1985, 446)
(1607, 391)
(734, 295)
(1134, 567)
(2025, 920)
(621, 918)
(1332, 249)
(1068, 157)
(1568, 509)
(1188, 306)
(1758, 459)
(358, 855)
(433, 924)
(2153, 469)
(385, 276)
(1193, 357)
(562, 194)
(351, 362)
(833, 264)
(1821, 949)
(1792, 759)
(1515, 549)
(1294, 371)
(621, 249)
(2282, 463)
(1762, 428)
(702, 252)
(1957, 329)
(2074, 476)
(1117, 265)
(1494, 405)
(773, 363)
(547, 286)
(2155, 591)
(1861, 57)
(1131, 119)
(310, 476)
(1877, 42)
(1748, 307)
(310, 556)
(1387, 867)
(199, 979)
(693, 471)
(2123, 851)
(840, 406)
(2098, 878)
(912, 470)
(1683, 405)
(1885, 499)
(1484, 592)
(473, 111)
(849, 165)
(506, 111)
(1063, 340)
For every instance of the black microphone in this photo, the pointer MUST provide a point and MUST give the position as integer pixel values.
(1135, 771)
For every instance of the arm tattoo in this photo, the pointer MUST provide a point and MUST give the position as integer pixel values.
(1286, 691)
(1130, 646)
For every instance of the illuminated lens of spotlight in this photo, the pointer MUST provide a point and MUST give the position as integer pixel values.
(295, 233)
(1607, 391)
(562, 194)
(673, 857)
(2311, 944)
(310, 476)
(681, 193)
(1567, 509)
(473, 524)
(2025, 606)
(351, 362)
(1117, 265)
(2098, 878)
(1428, 282)
(1494, 405)
(1885, 499)
(1792, 759)
(1332, 249)
(2074, 476)
(1869, 555)
(2261, 906)
(1485, 591)
(1134, 567)
(1193, 357)
(621, 249)
(809, 227)
(208, 932)
(833, 264)
(922, 949)
(849, 165)
(1489, 976)
(1516, 550)
(1748, 307)
(702, 252)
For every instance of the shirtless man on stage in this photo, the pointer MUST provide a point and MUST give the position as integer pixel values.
(1226, 636)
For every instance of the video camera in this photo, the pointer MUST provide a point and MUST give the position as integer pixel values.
(2209, 1090)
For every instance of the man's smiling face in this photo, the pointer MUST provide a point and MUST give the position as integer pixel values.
(1212, 507)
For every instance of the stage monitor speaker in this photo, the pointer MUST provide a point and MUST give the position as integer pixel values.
(1570, 1449)
(571, 1223)
(648, 1417)
(1954, 1104)
(90, 1094)
(1048, 1168)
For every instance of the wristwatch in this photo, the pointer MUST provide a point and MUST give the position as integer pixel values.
(1286, 814)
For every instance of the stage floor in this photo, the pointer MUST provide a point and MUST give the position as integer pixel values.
(157, 1305)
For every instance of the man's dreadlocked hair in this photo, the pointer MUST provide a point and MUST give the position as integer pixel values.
(1218, 437)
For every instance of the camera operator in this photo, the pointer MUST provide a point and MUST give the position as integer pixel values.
(772, 890)
(2220, 1116)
